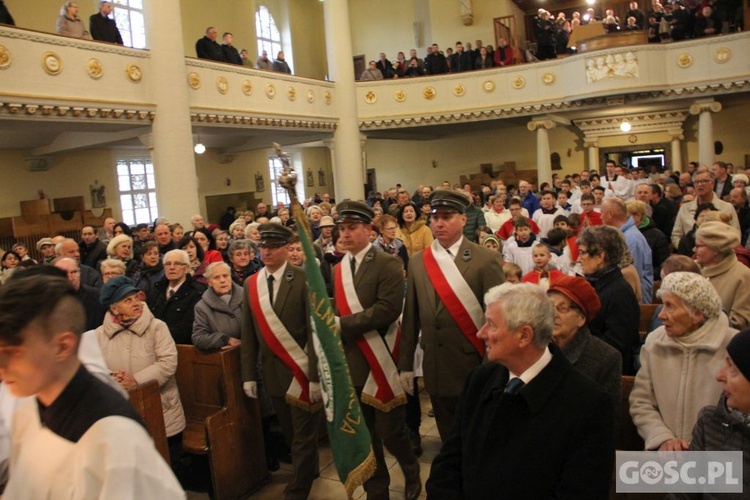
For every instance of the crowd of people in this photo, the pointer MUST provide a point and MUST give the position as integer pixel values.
(545, 283)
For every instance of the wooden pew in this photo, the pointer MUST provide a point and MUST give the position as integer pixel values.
(147, 401)
(221, 422)
(644, 325)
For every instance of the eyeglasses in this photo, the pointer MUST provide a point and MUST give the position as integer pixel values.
(392, 228)
(702, 181)
(112, 274)
(565, 308)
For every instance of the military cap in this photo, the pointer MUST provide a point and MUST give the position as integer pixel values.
(354, 211)
(449, 201)
(274, 235)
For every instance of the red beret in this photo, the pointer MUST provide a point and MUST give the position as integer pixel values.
(580, 292)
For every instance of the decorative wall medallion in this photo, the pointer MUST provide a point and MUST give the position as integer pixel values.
(94, 68)
(722, 55)
(622, 65)
(327, 97)
(399, 95)
(52, 63)
(685, 61)
(270, 91)
(488, 86)
(370, 97)
(518, 82)
(194, 80)
(310, 96)
(5, 58)
(548, 78)
(633, 138)
(459, 90)
(291, 93)
(133, 72)
(429, 93)
(222, 85)
(247, 87)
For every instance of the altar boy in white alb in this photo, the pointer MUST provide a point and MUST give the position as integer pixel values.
(78, 438)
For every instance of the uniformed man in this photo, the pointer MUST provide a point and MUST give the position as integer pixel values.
(446, 284)
(369, 292)
(276, 328)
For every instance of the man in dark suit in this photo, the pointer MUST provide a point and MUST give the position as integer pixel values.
(528, 405)
(228, 52)
(369, 291)
(723, 184)
(102, 27)
(446, 284)
(207, 48)
(91, 247)
(276, 328)
(461, 60)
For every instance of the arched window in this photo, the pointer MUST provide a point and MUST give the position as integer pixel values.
(269, 38)
(129, 17)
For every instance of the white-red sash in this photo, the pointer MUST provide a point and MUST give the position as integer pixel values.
(382, 389)
(281, 343)
(455, 294)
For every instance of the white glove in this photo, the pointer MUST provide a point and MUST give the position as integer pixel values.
(407, 382)
(251, 389)
(315, 394)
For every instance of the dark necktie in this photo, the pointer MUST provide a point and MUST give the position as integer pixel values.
(353, 263)
(270, 288)
(170, 293)
(514, 385)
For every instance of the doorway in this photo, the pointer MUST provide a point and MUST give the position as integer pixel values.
(641, 156)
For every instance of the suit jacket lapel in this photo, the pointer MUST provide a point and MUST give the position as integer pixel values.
(364, 266)
(284, 286)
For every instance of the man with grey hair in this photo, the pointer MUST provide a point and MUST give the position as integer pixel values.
(197, 221)
(69, 248)
(526, 405)
(103, 27)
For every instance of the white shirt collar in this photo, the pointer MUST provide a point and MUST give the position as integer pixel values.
(453, 249)
(277, 275)
(359, 256)
(536, 368)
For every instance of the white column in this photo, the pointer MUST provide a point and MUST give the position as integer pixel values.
(592, 148)
(348, 174)
(172, 138)
(543, 161)
(703, 108)
(676, 138)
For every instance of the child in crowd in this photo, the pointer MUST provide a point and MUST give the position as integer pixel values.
(493, 243)
(512, 272)
(589, 215)
(545, 215)
(482, 232)
(562, 202)
(556, 241)
(543, 272)
(518, 250)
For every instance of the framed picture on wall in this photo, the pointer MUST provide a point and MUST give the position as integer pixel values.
(259, 184)
(321, 177)
(310, 178)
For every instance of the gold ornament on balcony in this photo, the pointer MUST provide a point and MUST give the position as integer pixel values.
(518, 82)
(548, 78)
(52, 63)
(310, 96)
(488, 86)
(247, 87)
(270, 91)
(685, 61)
(95, 68)
(459, 90)
(194, 80)
(222, 85)
(134, 73)
(722, 55)
(429, 93)
(399, 95)
(327, 97)
(291, 93)
(371, 97)
(5, 58)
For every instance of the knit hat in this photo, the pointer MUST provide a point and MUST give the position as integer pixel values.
(740, 177)
(580, 292)
(718, 236)
(739, 350)
(116, 289)
(492, 237)
(695, 290)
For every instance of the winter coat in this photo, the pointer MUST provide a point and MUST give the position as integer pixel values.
(416, 238)
(732, 281)
(177, 312)
(216, 321)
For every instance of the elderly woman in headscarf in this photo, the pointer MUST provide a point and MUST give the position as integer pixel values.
(714, 252)
(677, 360)
(576, 303)
(217, 315)
(601, 250)
(137, 348)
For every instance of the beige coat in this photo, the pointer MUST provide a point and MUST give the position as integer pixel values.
(415, 239)
(686, 218)
(677, 379)
(147, 351)
(732, 281)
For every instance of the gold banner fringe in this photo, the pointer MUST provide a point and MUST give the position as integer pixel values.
(298, 403)
(369, 400)
(360, 474)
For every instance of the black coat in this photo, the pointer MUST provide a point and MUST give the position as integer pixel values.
(554, 439)
(664, 214)
(5, 17)
(177, 312)
(93, 308)
(206, 48)
(91, 255)
(659, 244)
(436, 64)
(461, 62)
(229, 54)
(616, 323)
(104, 29)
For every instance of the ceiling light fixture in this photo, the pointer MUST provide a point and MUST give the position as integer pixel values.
(625, 126)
